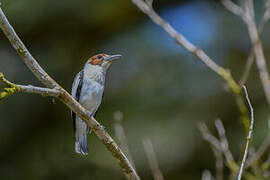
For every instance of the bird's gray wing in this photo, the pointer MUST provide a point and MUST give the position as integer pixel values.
(76, 92)
(96, 111)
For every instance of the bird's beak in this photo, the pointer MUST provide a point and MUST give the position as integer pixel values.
(113, 57)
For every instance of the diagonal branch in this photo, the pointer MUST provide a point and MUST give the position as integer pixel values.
(147, 8)
(24, 53)
(66, 98)
(180, 39)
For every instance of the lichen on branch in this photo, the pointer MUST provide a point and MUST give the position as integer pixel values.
(8, 91)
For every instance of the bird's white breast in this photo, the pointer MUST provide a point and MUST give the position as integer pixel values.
(91, 94)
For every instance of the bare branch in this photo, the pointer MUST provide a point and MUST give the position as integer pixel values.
(234, 8)
(67, 99)
(216, 147)
(249, 8)
(199, 53)
(208, 136)
(250, 59)
(224, 144)
(223, 140)
(29, 89)
(152, 159)
(39, 90)
(249, 19)
(249, 136)
(266, 143)
(180, 39)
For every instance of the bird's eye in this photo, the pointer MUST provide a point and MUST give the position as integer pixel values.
(100, 57)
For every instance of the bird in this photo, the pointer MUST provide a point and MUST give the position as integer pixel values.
(88, 90)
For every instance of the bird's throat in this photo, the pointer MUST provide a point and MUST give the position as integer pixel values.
(96, 74)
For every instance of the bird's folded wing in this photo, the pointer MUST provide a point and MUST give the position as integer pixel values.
(76, 92)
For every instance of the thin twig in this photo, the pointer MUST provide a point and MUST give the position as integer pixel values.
(67, 99)
(152, 159)
(223, 140)
(249, 136)
(224, 144)
(208, 136)
(216, 147)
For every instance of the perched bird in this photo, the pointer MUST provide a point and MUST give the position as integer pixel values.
(87, 89)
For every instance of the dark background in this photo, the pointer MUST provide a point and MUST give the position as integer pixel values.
(162, 90)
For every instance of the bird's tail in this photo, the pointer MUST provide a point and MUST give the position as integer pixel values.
(81, 137)
(81, 144)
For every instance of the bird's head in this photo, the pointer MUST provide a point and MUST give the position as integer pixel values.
(102, 60)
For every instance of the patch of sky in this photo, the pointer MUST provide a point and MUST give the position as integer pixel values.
(197, 21)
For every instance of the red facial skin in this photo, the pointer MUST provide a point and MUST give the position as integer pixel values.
(97, 59)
